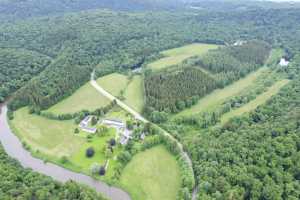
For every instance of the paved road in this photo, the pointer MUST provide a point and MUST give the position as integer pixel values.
(141, 118)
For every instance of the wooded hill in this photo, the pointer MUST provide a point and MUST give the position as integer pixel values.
(181, 87)
(17, 66)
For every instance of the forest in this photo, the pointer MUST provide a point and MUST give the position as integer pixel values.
(173, 91)
(19, 183)
(18, 66)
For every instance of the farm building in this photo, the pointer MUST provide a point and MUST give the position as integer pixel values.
(114, 123)
(283, 62)
(85, 122)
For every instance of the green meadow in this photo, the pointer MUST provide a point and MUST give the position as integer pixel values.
(152, 175)
(259, 100)
(177, 55)
(130, 90)
(85, 98)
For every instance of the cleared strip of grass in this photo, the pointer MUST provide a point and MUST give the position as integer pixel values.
(259, 100)
(113, 83)
(85, 98)
(152, 175)
(134, 94)
(218, 96)
(177, 55)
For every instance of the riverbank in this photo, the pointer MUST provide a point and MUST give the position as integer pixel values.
(15, 149)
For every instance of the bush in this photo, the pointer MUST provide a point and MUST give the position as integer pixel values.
(102, 171)
(90, 152)
(112, 142)
(76, 131)
(64, 160)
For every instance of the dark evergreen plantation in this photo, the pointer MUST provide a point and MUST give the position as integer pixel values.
(173, 91)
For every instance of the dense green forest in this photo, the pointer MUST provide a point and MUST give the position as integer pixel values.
(17, 66)
(19, 183)
(173, 91)
(255, 157)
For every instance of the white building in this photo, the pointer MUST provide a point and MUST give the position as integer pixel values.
(114, 123)
(85, 122)
(283, 62)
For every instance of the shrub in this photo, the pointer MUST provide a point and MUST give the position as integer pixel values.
(90, 152)
(102, 171)
(112, 142)
(76, 131)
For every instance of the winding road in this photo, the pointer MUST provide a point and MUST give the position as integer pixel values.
(141, 118)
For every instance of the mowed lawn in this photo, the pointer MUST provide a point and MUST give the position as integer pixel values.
(259, 100)
(134, 94)
(177, 55)
(113, 83)
(51, 137)
(85, 98)
(152, 175)
(99, 143)
(212, 100)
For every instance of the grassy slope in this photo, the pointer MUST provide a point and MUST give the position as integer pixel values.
(113, 83)
(259, 100)
(152, 175)
(177, 55)
(218, 96)
(55, 138)
(134, 94)
(133, 89)
(86, 97)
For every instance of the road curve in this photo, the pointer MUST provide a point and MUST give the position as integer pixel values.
(141, 118)
(14, 148)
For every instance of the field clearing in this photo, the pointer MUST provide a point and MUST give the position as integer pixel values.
(177, 55)
(152, 175)
(218, 96)
(51, 137)
(275, 56)
(85, 98)
(120, 85)
(259, 100)
(113, 83)
(134, 94)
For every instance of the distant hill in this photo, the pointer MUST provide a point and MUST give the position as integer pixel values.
(14, 9)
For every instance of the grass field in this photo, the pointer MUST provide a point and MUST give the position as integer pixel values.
(259, 100)
(275, 56)
(177, 55)
(133, 91)
(85, 98)
(99, 144)
(152, 175)
(215, 98)
(113, 83)
(54, 138)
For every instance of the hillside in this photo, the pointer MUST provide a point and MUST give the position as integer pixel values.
(149, 100)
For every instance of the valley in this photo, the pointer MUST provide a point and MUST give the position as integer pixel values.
(149, 100)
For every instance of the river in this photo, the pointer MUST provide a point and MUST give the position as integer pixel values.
(14, 148)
